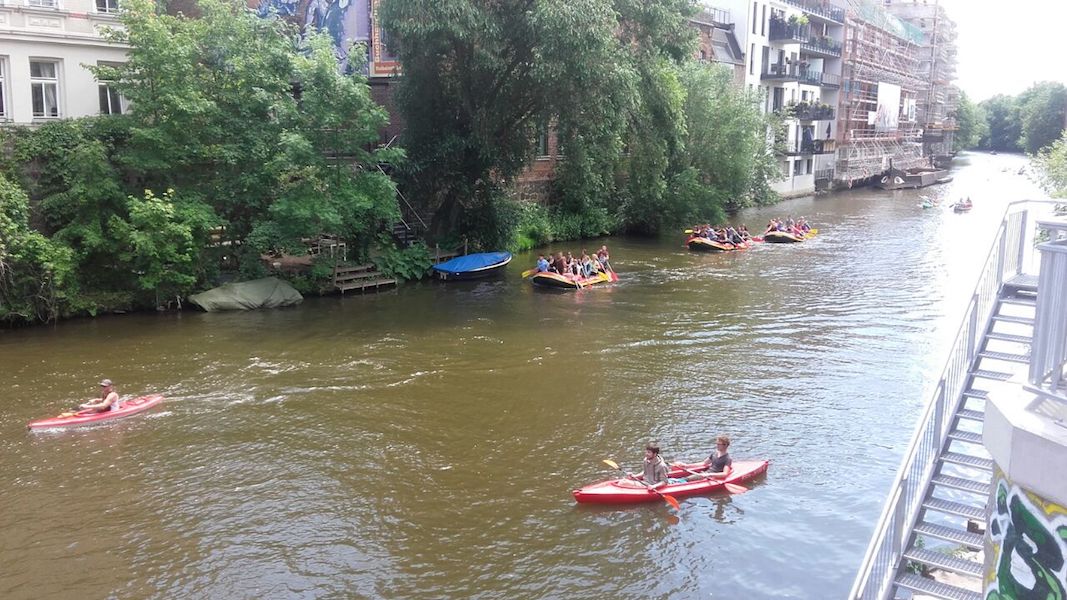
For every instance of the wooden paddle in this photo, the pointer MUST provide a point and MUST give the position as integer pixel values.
(733, 488)
(528, 272)
(666, 497)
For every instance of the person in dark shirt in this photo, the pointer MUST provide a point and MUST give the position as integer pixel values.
(719, 463)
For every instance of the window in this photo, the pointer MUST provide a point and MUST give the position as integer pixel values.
(42, 3)
(755, 13)
(107, 6)
(809, 164)
(542, 141)
(44, 88)
(763, 21)
(798, 167)
(752, 60)
(3, 96)
(111, 102)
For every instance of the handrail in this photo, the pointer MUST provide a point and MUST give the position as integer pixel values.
(881, 561)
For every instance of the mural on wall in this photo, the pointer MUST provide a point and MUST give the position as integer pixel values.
(349, 23)
(1028, 539)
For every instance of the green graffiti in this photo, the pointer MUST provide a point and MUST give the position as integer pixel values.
(1026, 541)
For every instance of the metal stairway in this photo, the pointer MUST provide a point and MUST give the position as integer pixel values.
(959, 487)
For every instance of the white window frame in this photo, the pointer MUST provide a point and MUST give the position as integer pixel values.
(5, 111)
(42, 3)
(44, 82)
(112, 108)
(110, 7)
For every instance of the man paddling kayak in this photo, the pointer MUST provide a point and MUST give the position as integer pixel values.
(109, 399)
(719, 463)
(655, 470)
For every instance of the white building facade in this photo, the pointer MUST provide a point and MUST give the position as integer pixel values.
(45, 46)
(793, 52)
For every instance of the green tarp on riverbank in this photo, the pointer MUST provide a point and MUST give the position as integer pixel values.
(269, 292)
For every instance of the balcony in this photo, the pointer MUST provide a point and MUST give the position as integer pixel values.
(811, 147)
(820, 9)
(780, 72)
(829, 80)
(821, 47)
(809, 112)
(783, 31)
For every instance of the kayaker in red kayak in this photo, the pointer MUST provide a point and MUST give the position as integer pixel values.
(719, 463)
(109, 399)
(655, 469)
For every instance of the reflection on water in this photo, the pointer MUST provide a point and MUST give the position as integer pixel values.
(424, 442)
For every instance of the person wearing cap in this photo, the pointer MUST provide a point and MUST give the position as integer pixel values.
(109, 399)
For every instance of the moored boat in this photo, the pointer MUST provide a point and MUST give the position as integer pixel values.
(781, 237)
(614, 492)
(472, 266)
(703, 244)
(555, 280)
(895, 179)
(86, 417)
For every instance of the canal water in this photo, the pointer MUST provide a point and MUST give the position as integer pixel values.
(424, 442)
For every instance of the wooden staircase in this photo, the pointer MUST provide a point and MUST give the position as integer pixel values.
(359, 277)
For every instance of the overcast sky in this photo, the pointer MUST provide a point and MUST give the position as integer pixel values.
(1004, 47)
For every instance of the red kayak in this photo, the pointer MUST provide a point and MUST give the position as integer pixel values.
(611, 492)
(88, 417)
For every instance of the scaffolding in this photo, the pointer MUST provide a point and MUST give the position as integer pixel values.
(878, 49)
(938, 98)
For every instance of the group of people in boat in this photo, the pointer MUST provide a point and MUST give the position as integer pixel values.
(723, 235)
(966, 204)
(799, 228)
(581, 267)
(655, 469)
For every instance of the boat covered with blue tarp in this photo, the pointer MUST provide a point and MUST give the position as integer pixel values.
(473, 266)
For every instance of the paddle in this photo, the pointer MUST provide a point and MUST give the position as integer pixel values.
(733, 488)
(666, 497)
(528, 272)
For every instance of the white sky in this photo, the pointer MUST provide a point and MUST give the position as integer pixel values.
(1004, 47)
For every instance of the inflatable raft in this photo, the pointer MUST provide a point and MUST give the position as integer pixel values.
(555, 280)
(703, 244)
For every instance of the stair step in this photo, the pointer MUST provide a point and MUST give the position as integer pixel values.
(973, 541)
(1007, 337)
(940, 560)
(966, 460)
(1011, 319)
(965, 436)
(1019, 300)
(1005, 356)
(959, 483)
(974, 415)
(356, 275)
(986, 374)
(979, 394)
(934, 588)
(354, 268)
(955, 508)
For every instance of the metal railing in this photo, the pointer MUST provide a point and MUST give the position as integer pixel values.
(1048, 351)
(820, 8)
(881, 562)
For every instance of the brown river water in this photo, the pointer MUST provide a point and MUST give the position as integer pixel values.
(423, 442)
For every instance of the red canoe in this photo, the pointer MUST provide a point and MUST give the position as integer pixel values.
(610, 492)
(85, 417)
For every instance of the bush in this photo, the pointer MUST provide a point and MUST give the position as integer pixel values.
(409, 263)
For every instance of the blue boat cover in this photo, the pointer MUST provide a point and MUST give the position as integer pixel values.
(471, 262)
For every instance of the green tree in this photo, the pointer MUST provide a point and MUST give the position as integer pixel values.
(971, 123)
(1005, 125)
(36, 274)
(1052, 164)
(1042, 109)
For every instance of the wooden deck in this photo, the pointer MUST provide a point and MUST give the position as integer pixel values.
(359, 277)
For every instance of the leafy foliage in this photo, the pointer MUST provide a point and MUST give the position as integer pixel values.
(412, 262)
(971, 120)
(1052, 164)
(1005, 125)
(1042, 109)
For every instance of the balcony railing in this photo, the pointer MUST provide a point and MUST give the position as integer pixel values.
(810, 112)
(781, 72)
(821, 46)
(824, 175)
(830, 80)
(820, 8)
(784, 31)
(812, 147)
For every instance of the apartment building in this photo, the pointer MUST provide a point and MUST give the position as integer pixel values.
(794, 60)
(717, 41)
(937, 98)
(45, 46)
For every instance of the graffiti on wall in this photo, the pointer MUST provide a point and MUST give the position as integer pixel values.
(349, 23)
(1028, 539)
